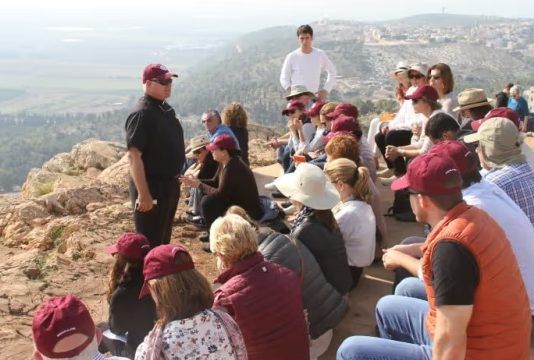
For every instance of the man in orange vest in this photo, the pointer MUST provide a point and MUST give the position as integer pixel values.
(477, 305)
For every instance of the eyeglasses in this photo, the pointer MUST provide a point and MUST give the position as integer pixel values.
(415, 76)
(435, 77)
(163, 82)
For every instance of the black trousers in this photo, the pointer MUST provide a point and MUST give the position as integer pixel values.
(156, 224)
(212, 207)
(356, 273)
(395, 138)
(401, 273)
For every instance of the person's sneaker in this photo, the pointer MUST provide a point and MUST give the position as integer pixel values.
(387, 181)
(278, 195)
(286, 204)
(196, 220)
(206, 247)
(290, 210)
(205, 238)
(270, 186)
(385, 173)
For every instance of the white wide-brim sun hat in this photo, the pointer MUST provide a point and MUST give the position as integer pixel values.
(309, 186)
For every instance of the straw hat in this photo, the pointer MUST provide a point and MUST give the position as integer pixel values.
(298, 90)
(402, 66)
(198, 142)
(472, 98)
(309, 186)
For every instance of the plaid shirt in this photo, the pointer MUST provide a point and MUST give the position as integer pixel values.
(517, 180)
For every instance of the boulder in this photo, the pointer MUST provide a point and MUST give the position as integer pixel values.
(38, 182)
(60, 163)
(117, 174)
(97, 154)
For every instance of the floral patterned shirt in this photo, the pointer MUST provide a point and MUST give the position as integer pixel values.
(203, 336)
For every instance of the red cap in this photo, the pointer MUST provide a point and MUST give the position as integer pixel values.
(466, 161)
(222, 142)
(426, 91)
(315, 109)
(292, 106)
(132, 246)
(344, 123)
(344, 109)
(157, 71)
(502, 112)
(431, 174)
(332, 135)
(57, 318)
(160, 261)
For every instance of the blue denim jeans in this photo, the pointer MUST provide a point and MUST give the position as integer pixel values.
(403, 335)
(411, 287)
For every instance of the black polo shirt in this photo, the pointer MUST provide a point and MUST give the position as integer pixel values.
(154, 129)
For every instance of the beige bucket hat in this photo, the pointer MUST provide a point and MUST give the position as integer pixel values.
(472, 98)
(309, 186)
(298, 90)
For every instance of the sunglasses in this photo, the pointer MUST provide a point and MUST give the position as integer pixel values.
(413, 192)
(435, 77)
(415, 76)
(196, 152)
(414, 101)
(163, 82)
(290, 112)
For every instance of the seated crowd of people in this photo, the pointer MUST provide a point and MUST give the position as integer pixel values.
(465, 290)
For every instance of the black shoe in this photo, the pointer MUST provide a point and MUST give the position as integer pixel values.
(278, 195)
(197, 221)
(206, 247)
(205, 238)
(286, 204)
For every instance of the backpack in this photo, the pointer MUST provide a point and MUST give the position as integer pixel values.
(401, 208)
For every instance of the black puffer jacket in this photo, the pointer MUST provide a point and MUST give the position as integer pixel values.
(325, 307)
(329, 251)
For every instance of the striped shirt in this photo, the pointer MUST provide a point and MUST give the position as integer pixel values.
(517, 180)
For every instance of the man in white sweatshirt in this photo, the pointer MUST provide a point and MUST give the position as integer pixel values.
(304, 65)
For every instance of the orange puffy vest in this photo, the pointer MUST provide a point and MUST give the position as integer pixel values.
(501, 321)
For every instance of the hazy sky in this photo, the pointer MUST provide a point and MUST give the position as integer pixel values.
(239, 15)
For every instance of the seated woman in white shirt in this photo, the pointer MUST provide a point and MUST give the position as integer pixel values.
(425, 102)
(354, 214)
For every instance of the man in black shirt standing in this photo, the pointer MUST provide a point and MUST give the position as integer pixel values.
(156, 153)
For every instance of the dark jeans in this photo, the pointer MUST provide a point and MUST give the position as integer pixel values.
(356, 273)
(284, 154)
(156, 224)
(395, 138)
(401, 273)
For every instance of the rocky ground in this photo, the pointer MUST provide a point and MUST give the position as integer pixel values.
(54, 233)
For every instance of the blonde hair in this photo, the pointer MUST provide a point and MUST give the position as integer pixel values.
(232, 238)
(328, 107)
(180, 295)
(239, 211)
(348, 172)
(235, 115)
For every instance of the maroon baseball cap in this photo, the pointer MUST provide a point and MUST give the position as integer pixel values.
(58, 318)
(466, 161)
(344, 109)
(222, 142)
(426, 91)
(501, 112)
(161, 261)
(431, 174)
(292, 106)
(132, 246)
(341, 125)
(315, 109)
(157, 71)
